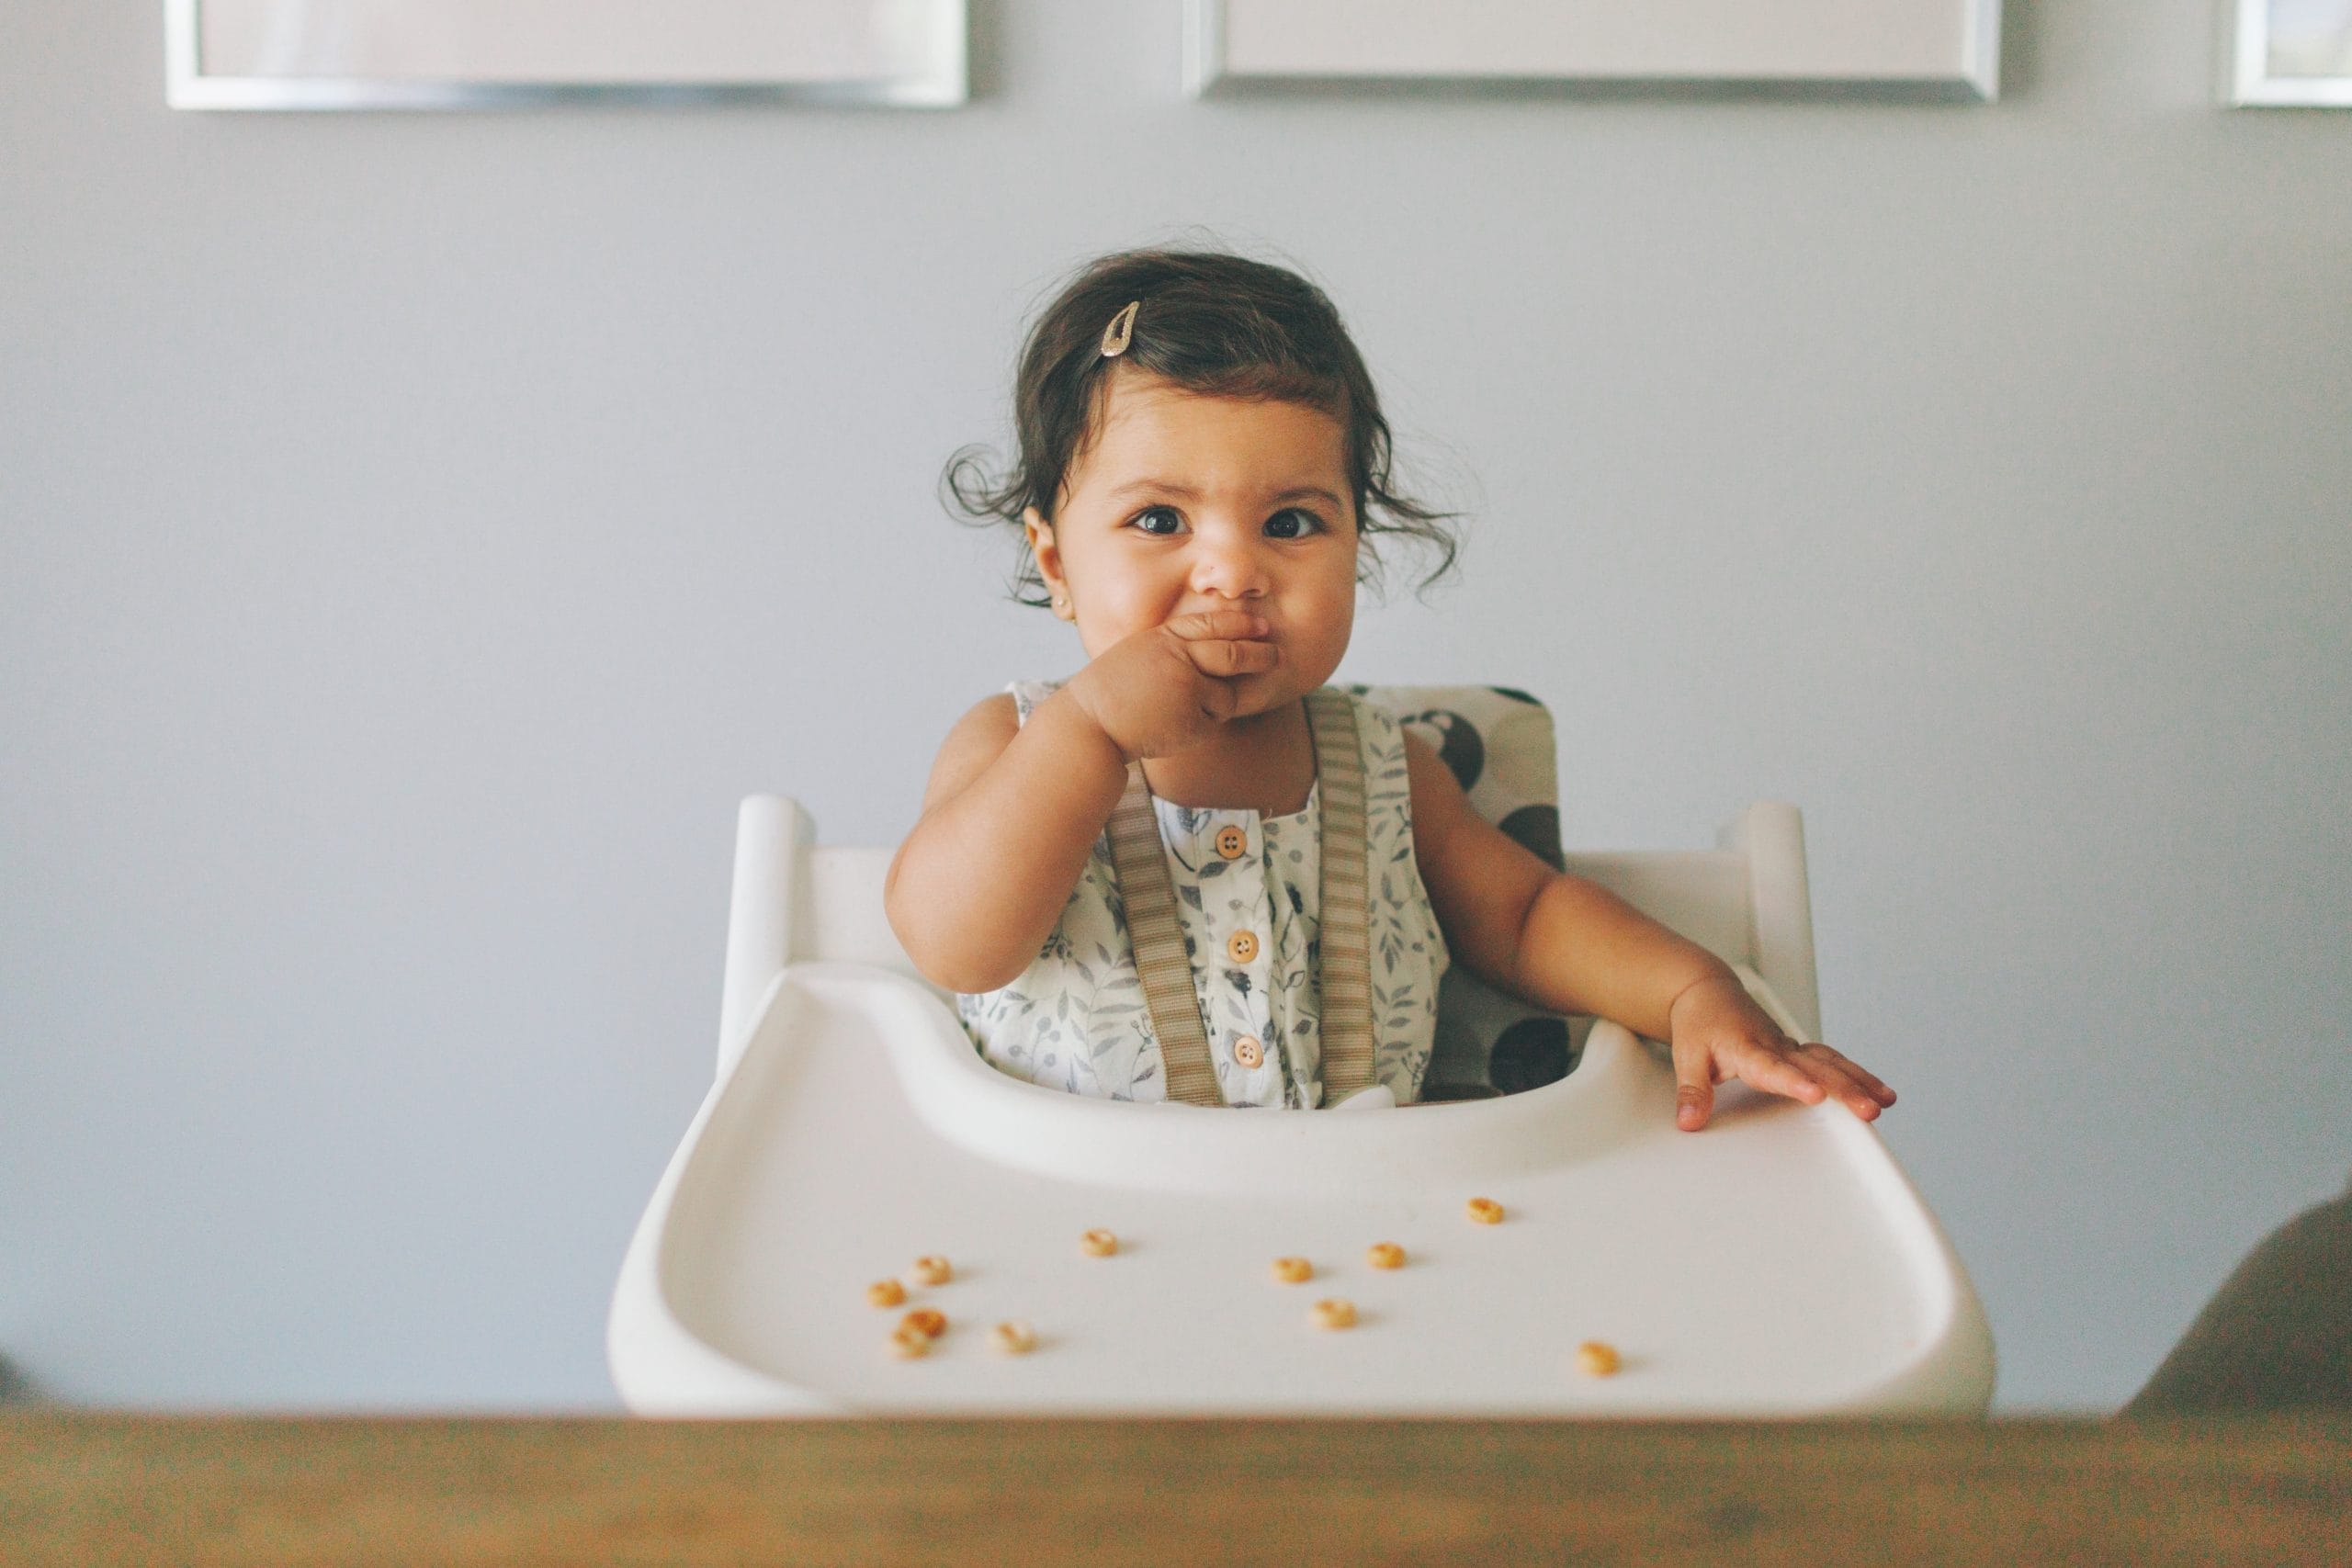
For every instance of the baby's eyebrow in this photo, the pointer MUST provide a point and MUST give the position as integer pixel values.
(1308, 492)
(1186, 492)
(1161, 487)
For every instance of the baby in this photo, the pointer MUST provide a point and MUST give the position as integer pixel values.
(1193, 871)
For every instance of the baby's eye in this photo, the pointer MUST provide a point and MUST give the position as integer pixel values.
(1293, 523)
(1160, 520)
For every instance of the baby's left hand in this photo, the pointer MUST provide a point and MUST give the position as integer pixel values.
(1718, 1033)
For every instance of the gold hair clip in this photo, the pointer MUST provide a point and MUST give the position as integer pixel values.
(1121, 332)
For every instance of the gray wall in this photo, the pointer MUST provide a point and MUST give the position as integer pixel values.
(420, 530)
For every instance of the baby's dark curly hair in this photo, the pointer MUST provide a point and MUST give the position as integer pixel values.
(1213, 323)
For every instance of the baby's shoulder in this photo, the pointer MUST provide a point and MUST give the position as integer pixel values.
(995, 716)
(1371, 716)
(989, 726)
(1026, 696)
(978, 739)
(1378, 732)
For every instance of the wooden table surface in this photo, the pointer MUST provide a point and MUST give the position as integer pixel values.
(94, 1489)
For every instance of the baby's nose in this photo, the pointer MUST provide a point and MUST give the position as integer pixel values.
(1230, 570)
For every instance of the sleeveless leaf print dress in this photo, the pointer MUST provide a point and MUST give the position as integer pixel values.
(1248, 893)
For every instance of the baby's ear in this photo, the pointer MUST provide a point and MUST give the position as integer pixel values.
(1040, 535)
(1036, 531)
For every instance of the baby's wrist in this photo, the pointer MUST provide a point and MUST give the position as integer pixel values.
(1717, 973)
(1069, 714)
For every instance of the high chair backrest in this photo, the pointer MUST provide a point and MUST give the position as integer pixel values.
(1746, 900)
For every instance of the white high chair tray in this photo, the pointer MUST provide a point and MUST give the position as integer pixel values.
(1777, 1263)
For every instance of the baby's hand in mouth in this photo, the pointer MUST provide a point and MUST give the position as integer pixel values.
(1162, 689)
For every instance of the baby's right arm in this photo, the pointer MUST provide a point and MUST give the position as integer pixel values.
(1010, 816)
(1012, 810)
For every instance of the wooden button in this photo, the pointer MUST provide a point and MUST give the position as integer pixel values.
(1241, 947)
(1232, 843)
(1248, 1052)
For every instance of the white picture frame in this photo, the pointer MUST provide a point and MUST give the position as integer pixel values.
(1942, 47)
(409, 54)
(2288, 54)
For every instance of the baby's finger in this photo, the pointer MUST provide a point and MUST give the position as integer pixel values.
(1844, 1081)
(1776, 1071)
(1217, 700)
(1218, 623)
(1232, 658)
(1695, 1088)
(1871, 1084)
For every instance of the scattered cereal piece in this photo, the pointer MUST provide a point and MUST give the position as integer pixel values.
(1099, 1244)
(1486, 1211)
(908, 1343)
(1595, 1359)
(1014, 1338)
(931, 1272)
(1384, 1255)
(930, 1324)
(885, 1293)
(1293, 1270)
(1333, 1313)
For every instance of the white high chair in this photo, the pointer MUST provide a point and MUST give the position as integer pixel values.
(1777, 1263)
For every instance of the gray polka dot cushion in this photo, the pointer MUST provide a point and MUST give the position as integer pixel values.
(1498, 743)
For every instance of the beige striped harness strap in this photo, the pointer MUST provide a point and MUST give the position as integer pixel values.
(1158, 935)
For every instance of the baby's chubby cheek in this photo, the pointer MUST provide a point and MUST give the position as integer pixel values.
(1311, 653)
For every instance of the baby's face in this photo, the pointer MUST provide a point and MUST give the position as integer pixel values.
(1186, 502)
